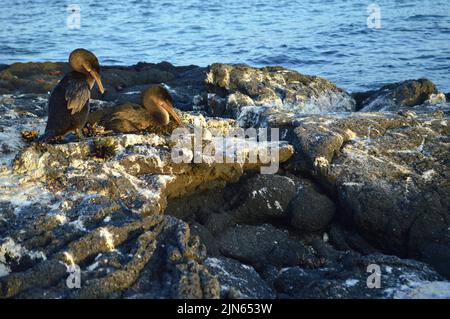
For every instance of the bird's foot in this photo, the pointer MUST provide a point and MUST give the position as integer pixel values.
(48, 138)
(72, 138)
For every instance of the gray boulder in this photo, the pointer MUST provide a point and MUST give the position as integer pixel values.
(261, 198)
(349, 279)
(238, 280)
(438, 255)
(394, 96)
(233, 87)
(310, 210)
(265, 245)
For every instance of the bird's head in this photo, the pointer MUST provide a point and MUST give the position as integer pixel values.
(156, 96)
(84, 61)
(158, 101)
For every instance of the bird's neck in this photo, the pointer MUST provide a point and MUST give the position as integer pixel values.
(90, 81)
(87, 77)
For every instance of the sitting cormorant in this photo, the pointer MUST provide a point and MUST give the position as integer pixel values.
(68, 105)
(155, 111)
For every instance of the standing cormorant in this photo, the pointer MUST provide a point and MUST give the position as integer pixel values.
(68, 105)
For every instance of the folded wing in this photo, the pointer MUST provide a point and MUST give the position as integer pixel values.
(77, 94)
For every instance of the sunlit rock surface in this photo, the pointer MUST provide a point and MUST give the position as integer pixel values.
(232, 87)
(354, 190)
(63, 205)
(394, 96)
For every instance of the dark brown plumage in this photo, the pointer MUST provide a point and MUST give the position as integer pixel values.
(68, 105)
(155, 111)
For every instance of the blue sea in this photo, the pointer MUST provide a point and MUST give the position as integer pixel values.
(329, 38)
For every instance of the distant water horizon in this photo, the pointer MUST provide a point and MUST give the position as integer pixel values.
(329, 39)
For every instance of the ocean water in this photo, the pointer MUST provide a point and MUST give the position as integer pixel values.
(329, 38)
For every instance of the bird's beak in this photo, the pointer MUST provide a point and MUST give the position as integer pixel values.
(169, 108)
(97, 79)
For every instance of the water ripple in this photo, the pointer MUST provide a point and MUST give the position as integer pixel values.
(327, 38)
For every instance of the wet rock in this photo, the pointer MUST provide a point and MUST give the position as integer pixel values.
(185, 84)
(206, 236)
(115, 261)
(133, 170)
(389, 172)
(117, 79)
(18, 114)
(31, 77)
(206, 222)
(438, 255)
(401, 192)
(120, 254)
(371, 182)
(394, 96)
(216, 223)
(63, 205)
(203, 204)
(187, 87)
(348, 240)
(221, 89)
(13, 107)
(350, 277)
(264, 245)
(310, 211)
(122, 83)
(328, 252)
(238, 280)
(360, 97)
(238, 86)
(434, 99)
(255, 199)
(261, 198)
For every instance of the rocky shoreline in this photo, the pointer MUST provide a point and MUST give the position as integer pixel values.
(364, 180)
